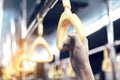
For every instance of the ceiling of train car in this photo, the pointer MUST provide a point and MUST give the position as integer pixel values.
(12, 9)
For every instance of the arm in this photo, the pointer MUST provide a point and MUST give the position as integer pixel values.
(78, 52)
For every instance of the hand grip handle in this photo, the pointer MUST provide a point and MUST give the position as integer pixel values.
(40, 41)
(65, 20)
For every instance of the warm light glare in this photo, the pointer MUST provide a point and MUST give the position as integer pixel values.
(28, 65)
(6, 55)
(110, 38)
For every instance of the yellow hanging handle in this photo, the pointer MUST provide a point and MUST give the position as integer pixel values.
(14, 66)
(40, 41)
(66, 19)
(106, 64)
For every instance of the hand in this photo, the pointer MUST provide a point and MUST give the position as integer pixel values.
(78, 52)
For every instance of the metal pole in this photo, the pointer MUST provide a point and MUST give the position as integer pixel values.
(12, 36)
(110, 35)
(24, 19)
(101, 48)
(98, 49)
(23, 30)
(1, 17)
(50, 4)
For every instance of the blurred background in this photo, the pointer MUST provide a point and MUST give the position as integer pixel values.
(101, 21)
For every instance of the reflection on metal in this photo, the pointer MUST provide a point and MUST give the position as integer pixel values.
(40, 41)
(110, 33)
(16, 65)
(66, 19)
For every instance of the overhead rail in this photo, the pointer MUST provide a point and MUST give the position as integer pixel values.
(50, 4)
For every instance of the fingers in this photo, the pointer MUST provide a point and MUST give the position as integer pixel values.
(75, 38)
(66, 44)
(67, 41)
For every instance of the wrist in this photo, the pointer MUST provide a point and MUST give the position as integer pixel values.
(85, 64)
(85, 72)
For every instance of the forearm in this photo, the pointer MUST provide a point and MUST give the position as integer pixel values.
(85, 73)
